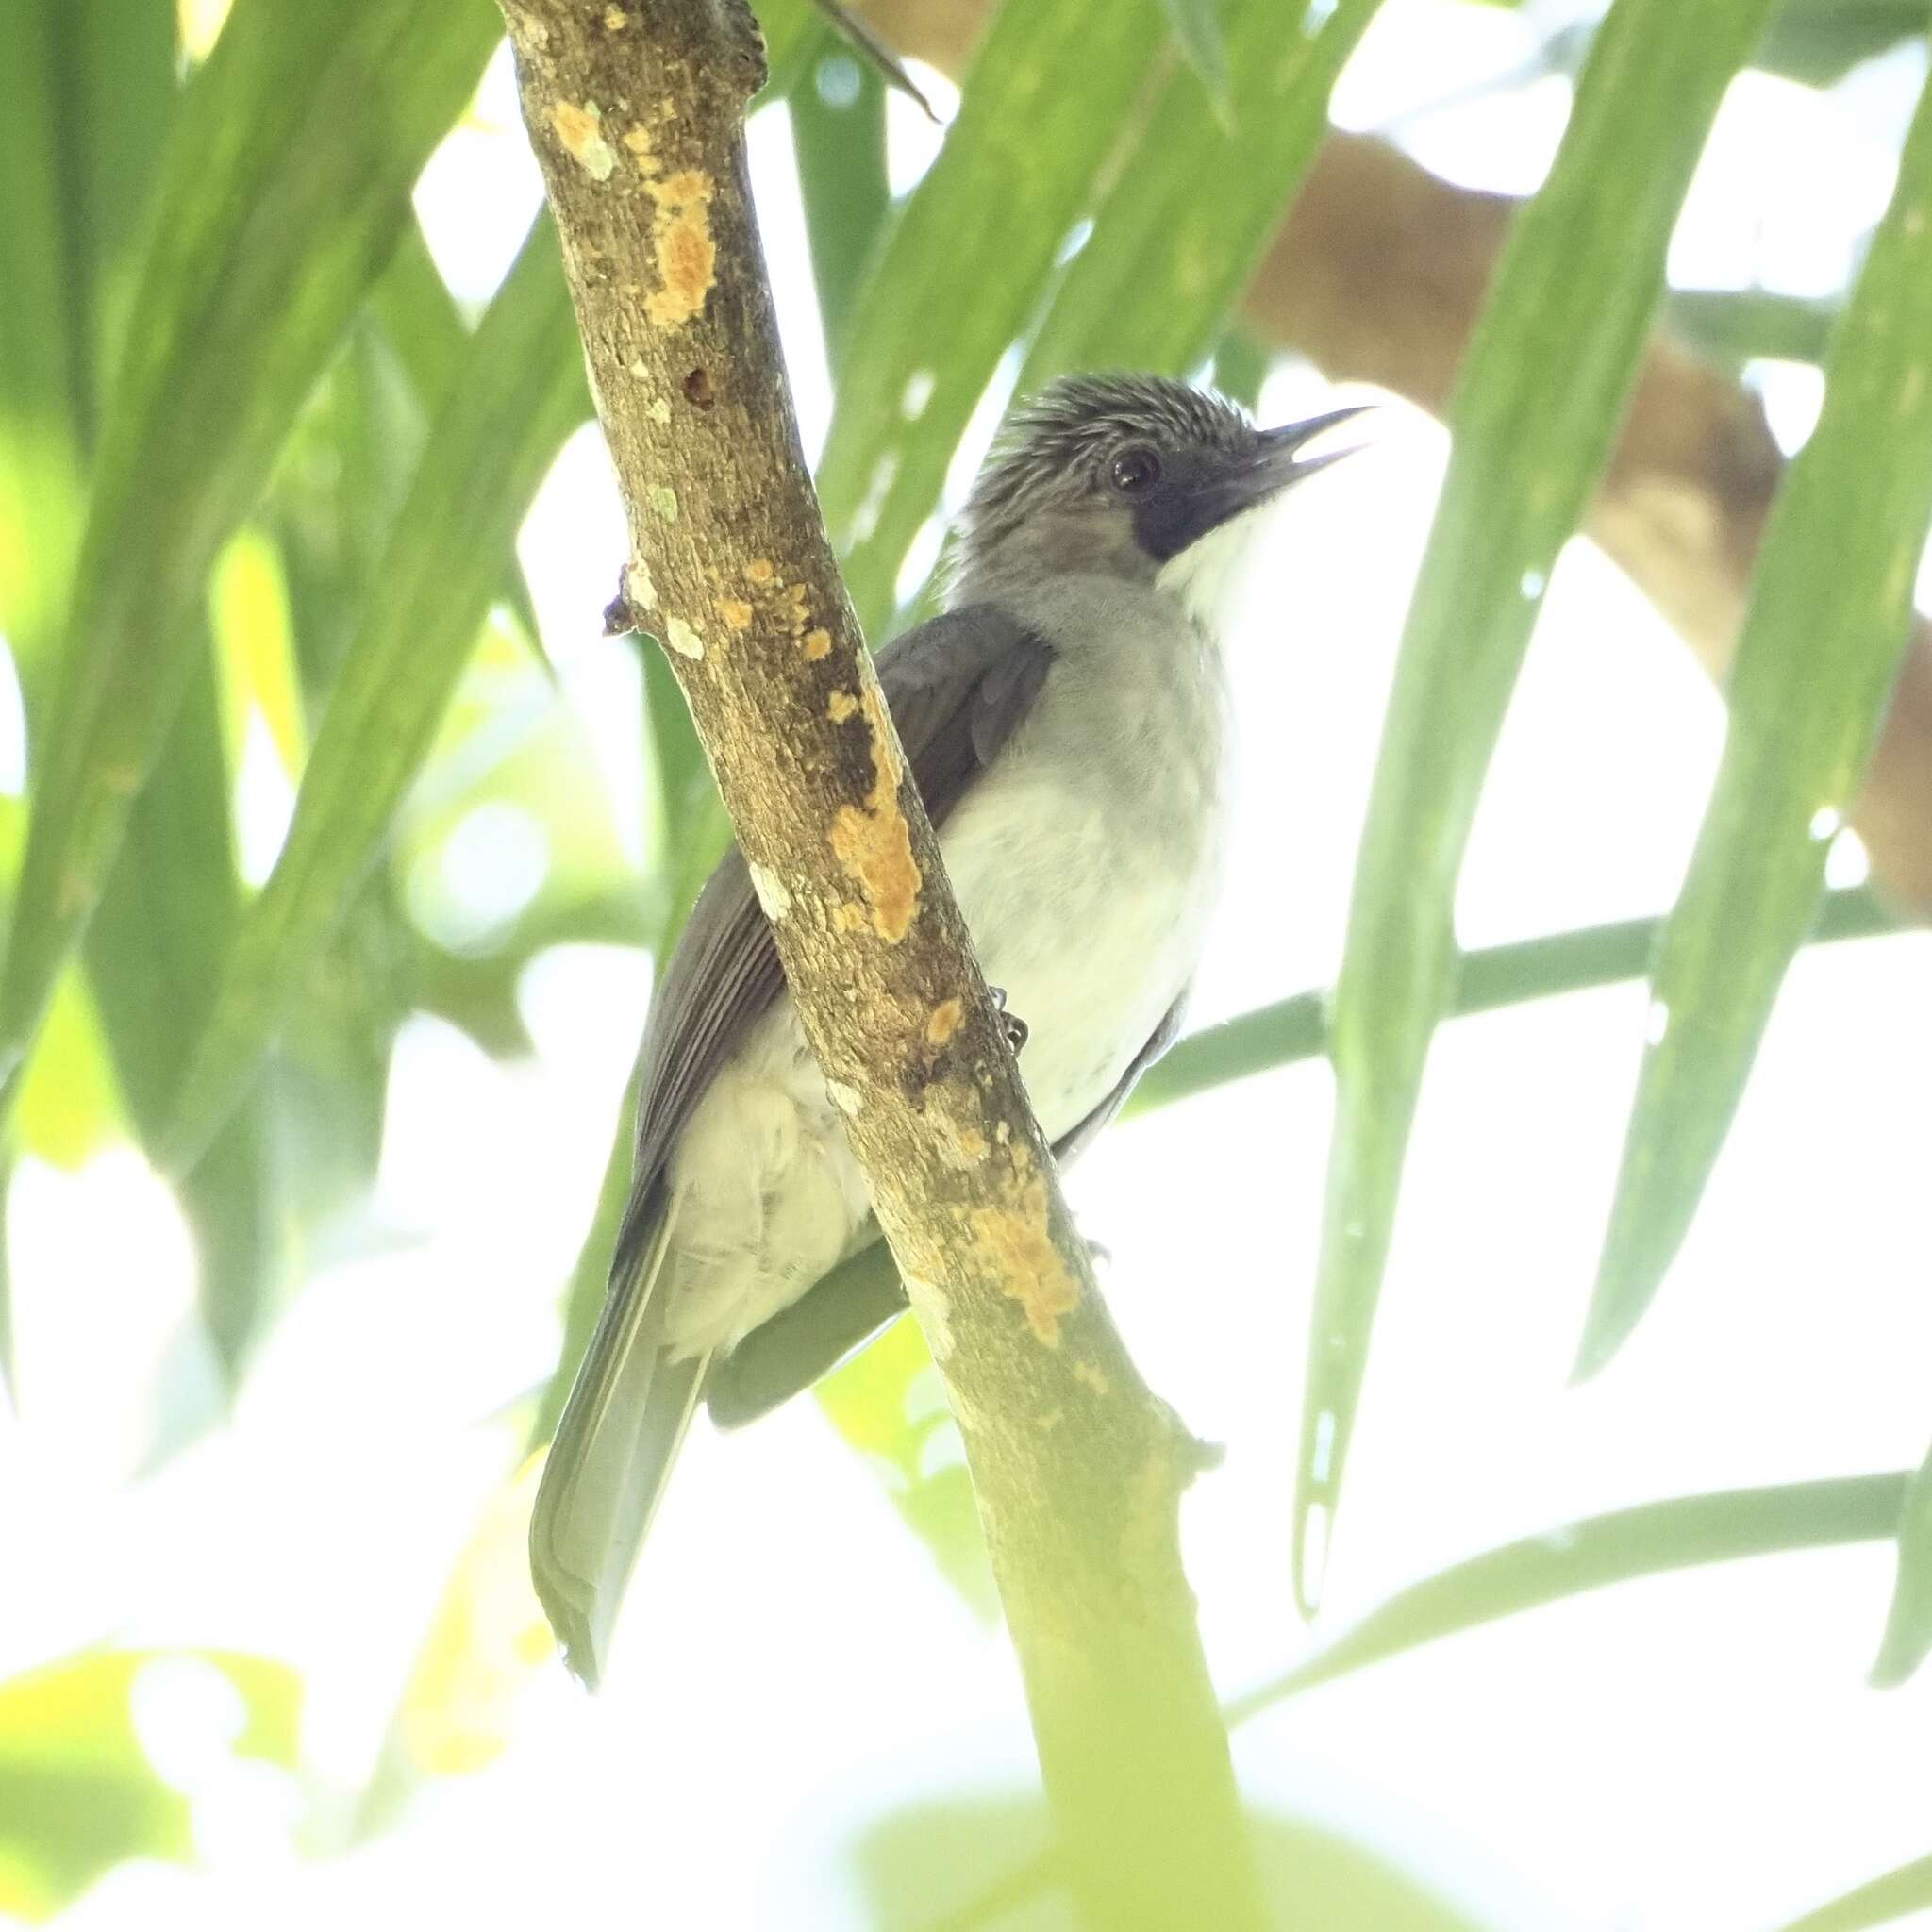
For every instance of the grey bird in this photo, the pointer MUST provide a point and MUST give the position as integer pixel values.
(1066, 720)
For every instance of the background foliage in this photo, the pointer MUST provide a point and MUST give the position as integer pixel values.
(293, 763)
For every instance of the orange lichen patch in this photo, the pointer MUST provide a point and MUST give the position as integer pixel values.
(1094, 1379)
(849, 916)
(818, 643)
(1031, 1270)
(875, 849)
(944, 1021)
(581, 132)
(873, 842)
(736, 612)
(760, 569)
(638, 139)
(687, 256)
(615, 20)
(841, 705)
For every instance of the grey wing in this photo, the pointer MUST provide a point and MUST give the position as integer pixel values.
(957, 687)
(808, 1340)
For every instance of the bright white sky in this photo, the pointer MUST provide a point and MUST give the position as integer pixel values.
(1693, 1753)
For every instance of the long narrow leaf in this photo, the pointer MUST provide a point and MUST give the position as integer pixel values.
(965, 266)
(285, 188)
(1829, 623)
(1542, 395)
(1909, 1623)
(520, 393)
(1880, 1902)
(1297, 1029)
(1165, 264)
(1684, 1533)
(840, 145)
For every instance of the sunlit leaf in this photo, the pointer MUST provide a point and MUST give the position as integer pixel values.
(838, 135)
(1909, 1623)
(77, 1793)
(1297, 1028)
(1155, 284)
(1197, 32)
(287, 185)
(520, 394)
(1541, 397)
(966, 264)
(1685, 1532)
(1829, 623)
(1882, 1901)
(889, 1402)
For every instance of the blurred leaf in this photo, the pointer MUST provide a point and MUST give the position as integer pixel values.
(1297, 1029)
(1241, 367)
(412, 306)
(791, 30)
(486, 1641)
(838, 135)
(1158, 278)
(1737, 324)
(1821, 41)
(1683, 1533)
(69, 1103)
(1881, 1902)
(926, 1868)
(286, 185)
(877, 55)
(1197, 32)
(520, 394)
(966, 264)
(1830, 620)
(890, 1404)
(1909, 1623)
(1538, 406)
(78, 1794)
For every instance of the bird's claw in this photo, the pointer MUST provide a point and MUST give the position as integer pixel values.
(1017, 1030)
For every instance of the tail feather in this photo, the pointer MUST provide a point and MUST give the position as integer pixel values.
(615, 1445)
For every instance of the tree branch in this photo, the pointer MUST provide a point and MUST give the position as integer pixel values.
(1379, 273)
(636, 113)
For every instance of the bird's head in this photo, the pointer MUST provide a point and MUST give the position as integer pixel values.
(1136, 477)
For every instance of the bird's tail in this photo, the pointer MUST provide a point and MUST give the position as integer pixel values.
(619, 1435)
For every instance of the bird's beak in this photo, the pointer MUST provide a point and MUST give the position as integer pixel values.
(1282, 463)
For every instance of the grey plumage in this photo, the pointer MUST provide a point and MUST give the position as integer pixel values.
(1065, 721)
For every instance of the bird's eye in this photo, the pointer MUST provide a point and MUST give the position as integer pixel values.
(1135, 471)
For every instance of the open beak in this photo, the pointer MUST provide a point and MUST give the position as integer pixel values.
(1282, 462)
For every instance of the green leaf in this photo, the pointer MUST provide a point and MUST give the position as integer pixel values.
(1908, 1623)
(1593, 1553)
(1297, 1029)
(78, 1794)
(966, 264)
(1541, 397)
(1882, 1901)
(1159, 276)
(1829, 623)
(838, 136)
(1821, 41)
(283, 192)
(1197, 32)
(1735, 325)
(520, 394)
(888, 1403)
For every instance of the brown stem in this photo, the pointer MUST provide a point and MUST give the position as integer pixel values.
(1379, 273)
(636, 112)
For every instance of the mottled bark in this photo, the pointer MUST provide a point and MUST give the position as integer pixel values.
(636, 112)
(1377, 275)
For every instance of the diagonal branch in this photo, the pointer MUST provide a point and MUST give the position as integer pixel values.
(637, 116)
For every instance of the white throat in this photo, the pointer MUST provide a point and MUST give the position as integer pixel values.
(1207, 578)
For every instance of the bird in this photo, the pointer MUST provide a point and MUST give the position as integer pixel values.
(1066, 718)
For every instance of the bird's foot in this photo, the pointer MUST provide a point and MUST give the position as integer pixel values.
(1017, 1032)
